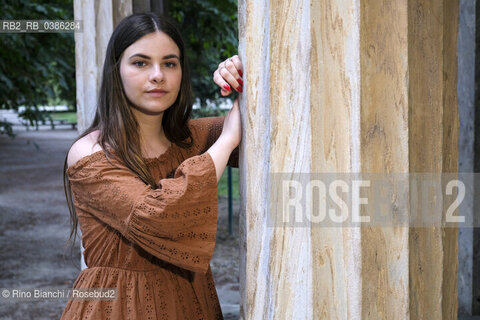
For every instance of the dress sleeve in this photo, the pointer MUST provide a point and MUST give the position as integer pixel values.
(206, 131)
(176, 223)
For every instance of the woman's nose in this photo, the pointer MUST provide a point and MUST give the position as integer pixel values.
(157, 74)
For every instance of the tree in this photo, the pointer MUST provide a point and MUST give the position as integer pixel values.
(36, 68)
(209, 28)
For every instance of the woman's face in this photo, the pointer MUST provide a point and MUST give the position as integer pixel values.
(151, 73)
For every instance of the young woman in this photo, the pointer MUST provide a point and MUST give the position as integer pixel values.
(141, 181)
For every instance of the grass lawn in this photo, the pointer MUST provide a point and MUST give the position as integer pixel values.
(223, 184)
(70, 117)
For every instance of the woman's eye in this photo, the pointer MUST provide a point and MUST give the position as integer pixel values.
(170, 64)
(139, 63)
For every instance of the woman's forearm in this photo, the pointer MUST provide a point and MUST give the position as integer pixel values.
(220, 152)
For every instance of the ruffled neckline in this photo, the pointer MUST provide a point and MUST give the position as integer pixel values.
(161, 156)
(100, 154)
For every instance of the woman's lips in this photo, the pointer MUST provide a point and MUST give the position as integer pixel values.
(157, 93)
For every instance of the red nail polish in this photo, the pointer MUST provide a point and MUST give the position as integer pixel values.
(240, 72)
(240, 81)
(240, 89)
(227, 87)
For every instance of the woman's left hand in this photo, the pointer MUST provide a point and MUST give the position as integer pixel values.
(228, 76)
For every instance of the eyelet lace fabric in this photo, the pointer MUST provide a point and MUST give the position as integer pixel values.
(153, 245)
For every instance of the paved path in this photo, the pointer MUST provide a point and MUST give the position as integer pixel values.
(34, 223)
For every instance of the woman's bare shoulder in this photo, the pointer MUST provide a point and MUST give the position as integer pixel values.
(83, 147)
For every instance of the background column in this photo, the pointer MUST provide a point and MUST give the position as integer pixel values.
(99, 19)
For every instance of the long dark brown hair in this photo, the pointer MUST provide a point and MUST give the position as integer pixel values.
(118, 128)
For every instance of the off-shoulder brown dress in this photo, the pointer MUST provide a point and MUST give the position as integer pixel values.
(154, 246)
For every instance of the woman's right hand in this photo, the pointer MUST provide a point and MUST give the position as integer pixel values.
(228, 76)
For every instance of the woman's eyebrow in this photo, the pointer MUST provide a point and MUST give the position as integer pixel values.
(170, 56)
(141, 55)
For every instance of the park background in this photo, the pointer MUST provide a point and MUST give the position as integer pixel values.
(38, 122)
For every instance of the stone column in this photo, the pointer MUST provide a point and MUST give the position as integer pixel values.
(99, 19)
(349, 86)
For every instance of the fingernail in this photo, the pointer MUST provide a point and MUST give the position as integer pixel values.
(240, 72)
(239, 89)
(227, 87)
(240, 81)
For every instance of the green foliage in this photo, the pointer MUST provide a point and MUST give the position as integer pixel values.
(209, 28)
(36, 68)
